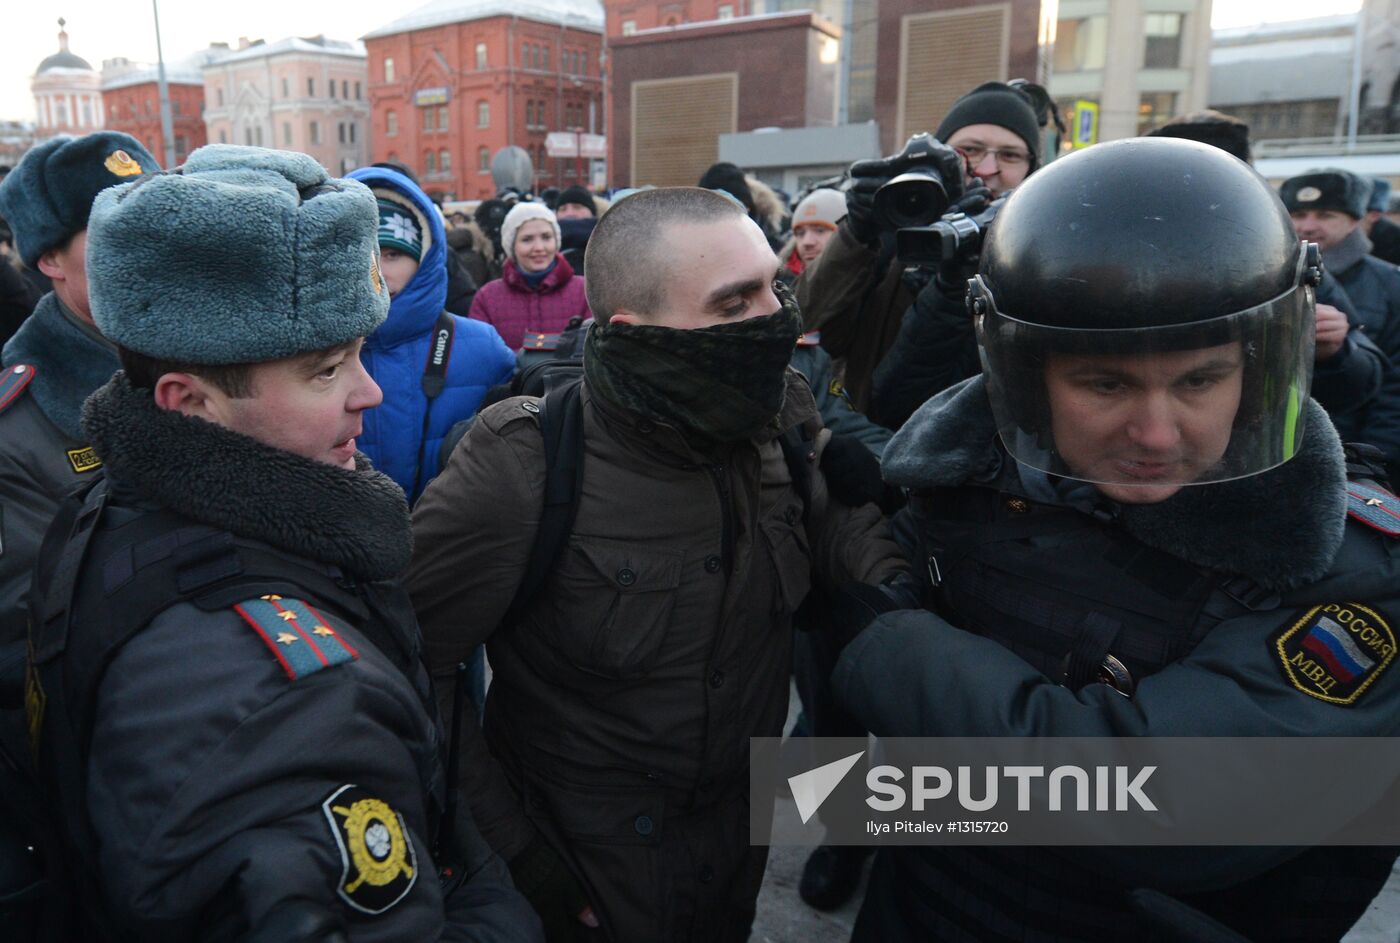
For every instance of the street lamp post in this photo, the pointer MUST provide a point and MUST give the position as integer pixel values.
(167, 128)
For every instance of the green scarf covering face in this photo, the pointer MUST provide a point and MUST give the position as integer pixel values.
(722, 384)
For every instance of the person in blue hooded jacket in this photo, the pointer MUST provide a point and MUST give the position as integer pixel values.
(434, 366)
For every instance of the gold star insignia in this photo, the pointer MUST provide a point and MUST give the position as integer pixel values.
(286, 638)
(1374, 502)
(287, 615)
(273, 598)
(322, 630)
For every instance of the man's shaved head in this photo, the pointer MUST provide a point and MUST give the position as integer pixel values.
(626, 267)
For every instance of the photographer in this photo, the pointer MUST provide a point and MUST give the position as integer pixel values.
(856, 293)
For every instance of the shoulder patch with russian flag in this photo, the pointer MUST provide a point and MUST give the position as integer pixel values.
(1336, 652)
(301, 639)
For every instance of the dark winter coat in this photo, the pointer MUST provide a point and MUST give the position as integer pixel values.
(43, 454)
(18, 296)
(623, 700)
(963, 670)
(856, 296)
(1385, 241)
(1373, 287)
(221, 734)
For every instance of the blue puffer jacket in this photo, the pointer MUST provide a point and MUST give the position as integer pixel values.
(394, 434)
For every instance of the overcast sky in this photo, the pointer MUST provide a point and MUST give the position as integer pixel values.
(102, 29)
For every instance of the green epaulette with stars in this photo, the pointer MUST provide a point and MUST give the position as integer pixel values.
(300, 637)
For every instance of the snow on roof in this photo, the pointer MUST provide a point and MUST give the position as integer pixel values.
(314, 44)
(579, 14)
(185, 71)
(1286, 29)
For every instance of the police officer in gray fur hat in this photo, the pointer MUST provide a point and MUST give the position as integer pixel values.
(1327, 207)
(57, 357)
(230, 712)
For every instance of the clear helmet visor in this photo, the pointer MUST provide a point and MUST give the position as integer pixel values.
(1163, 406)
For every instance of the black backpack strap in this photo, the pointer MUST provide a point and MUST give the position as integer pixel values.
(800, 453)
(561, 425)
(434, 381)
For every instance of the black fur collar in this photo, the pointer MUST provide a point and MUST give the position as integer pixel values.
(1281, 528)
(356, 520)
(70, 363)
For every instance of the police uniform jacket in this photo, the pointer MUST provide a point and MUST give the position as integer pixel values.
(50, 366)
(624, 697)
(245, 746)
(1215, 591)
(1373, 287)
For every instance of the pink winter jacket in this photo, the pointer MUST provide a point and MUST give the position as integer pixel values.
(510, 306)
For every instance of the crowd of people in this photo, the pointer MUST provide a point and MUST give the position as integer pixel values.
(285, 459)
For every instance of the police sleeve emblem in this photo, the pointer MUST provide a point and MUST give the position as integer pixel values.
(1335, 652)
(379, 862)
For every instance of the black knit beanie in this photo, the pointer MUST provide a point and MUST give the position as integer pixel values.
(729, 178)
(999, 104)
(579, 195)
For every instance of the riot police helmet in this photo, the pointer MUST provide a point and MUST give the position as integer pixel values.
(1144, 313)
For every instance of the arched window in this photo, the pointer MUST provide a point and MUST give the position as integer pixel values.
(483, 114)
(483, 160)
(445, 161)
(391, 124)
(430, 162)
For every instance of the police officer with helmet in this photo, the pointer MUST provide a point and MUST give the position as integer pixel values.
(1131, 522)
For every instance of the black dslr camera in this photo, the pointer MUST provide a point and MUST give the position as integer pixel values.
(955, 236)
(923, 179)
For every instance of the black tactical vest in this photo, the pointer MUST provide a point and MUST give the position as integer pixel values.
(137, 560)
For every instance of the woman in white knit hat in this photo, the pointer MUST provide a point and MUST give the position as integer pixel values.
(538, 291)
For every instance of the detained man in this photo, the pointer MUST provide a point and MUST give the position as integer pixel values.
(655, 641)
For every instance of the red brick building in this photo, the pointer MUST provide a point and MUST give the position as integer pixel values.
(626, 17)
(131, 101)
(675, 90)
(930, 52)
(909, 61)
(450, 85)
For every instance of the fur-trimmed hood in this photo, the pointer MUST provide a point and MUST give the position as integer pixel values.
(766, 204)
(71, 362)
(1281, 528)
(357, 520)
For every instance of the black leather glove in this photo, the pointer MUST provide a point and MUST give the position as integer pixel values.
(860, 207)
(855, 605)
(550, 887)
(958, 267)
(852, 472)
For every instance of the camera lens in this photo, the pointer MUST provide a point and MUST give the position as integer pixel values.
(916, 198)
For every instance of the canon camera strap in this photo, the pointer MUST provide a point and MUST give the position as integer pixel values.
(434, 382)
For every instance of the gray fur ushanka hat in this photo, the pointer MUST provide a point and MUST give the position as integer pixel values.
(243, 255)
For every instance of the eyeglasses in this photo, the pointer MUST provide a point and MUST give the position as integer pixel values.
(1005, 157)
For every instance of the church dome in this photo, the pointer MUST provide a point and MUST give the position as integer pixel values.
(63, 59)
